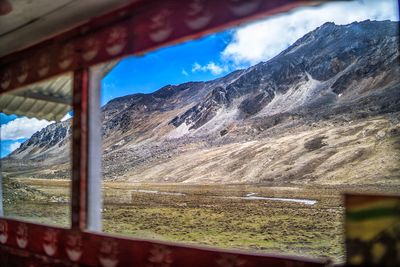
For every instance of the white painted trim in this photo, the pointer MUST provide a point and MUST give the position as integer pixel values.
(94, 183)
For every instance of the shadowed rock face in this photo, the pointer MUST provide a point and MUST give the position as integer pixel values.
(334, 73)
(338, 57)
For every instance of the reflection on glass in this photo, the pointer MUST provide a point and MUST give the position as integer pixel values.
(35, 151)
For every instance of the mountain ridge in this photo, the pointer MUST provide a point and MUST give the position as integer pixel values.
(333, 74)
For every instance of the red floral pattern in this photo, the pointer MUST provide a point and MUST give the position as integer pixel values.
(228, 260)
(63, 247)
(198, 15)
(73, 246)
(50, 240)
(116, 41)
(160, 256)
(21, 235)
(3, 232)
(108, 253)
(66, 56)
(43, 65)
(23, 71)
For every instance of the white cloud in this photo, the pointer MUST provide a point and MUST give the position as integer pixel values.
(14, 146)
(215, 69)
(196, 67)
(263, 40)
(66, 117)
(22, 128)
(211, 67)
(184, 72)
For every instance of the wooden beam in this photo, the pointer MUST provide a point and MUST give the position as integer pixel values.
(80, 150)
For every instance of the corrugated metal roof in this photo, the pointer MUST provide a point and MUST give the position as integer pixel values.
(30, 22)
(50, 100)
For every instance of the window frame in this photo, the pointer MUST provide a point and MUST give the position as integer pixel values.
(132, 24)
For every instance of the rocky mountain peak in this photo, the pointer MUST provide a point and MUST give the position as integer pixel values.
(332, 54)
(335, 69)
(49, 140)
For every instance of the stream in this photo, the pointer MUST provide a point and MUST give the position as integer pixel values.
(249, 196)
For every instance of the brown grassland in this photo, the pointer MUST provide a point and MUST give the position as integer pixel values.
(212, 215)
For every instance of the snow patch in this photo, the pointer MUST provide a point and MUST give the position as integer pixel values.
(253, 196)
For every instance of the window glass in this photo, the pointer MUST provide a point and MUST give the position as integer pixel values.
(247, 138)
(35, 145)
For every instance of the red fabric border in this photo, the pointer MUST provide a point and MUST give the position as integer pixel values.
(80, 155)
(35, 244)
(134, 29)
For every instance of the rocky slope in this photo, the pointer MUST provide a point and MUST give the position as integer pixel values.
(326, 106)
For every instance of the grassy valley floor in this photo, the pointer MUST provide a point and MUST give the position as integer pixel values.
(229, 216)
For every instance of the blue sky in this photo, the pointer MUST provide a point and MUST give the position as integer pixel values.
(216, 55)
(210, 57)
(172, 65)
(6, 118)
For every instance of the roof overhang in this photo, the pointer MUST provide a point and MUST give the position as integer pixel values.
(31, 22)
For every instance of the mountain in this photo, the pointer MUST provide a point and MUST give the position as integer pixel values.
(325, 110)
